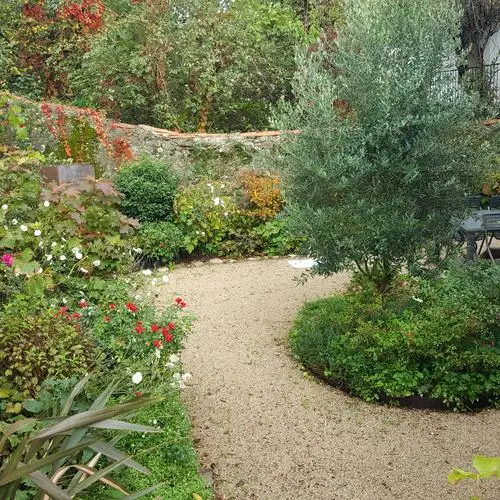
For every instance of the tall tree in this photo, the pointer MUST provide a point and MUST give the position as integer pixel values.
(192, 64)
(385, 154)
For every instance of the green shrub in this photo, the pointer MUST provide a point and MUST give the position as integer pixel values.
(274, 237)
(206, 214)
(38, 342)
(437, 339)
(160, 241)
(149, 187)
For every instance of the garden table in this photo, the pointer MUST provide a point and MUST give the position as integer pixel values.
(479, 225)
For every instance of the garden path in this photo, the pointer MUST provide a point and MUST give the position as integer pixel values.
(264, 430)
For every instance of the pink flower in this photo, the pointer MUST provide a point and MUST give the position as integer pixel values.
(7, 259)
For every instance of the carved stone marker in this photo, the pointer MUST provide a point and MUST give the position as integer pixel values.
(67, 173)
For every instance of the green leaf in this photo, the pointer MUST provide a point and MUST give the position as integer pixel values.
(26, 470)
(112, 452)
(486, 466)
(458, 474)
(88, 418)
(33, 406)
(47, 486)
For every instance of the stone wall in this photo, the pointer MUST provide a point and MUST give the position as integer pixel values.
(182, 150)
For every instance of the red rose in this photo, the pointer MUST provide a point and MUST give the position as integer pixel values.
(183, 305)
(167, 335)
(83, 304)
(178, 300)
(76, 315)
(139, 329)
(171, 326)
(154, 328)
(112, 306)
(157, 343)
(107, 319)
(131, 307)
(138, 394)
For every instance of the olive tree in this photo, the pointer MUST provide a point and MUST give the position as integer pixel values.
(387, 150)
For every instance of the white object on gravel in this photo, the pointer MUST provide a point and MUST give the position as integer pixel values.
(302, 263)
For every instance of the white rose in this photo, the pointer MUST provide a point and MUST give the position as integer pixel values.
(62, 257)
(14, 222)
(137, 378)
(78, 255)
(147, 272)
(23, 227)
(46, 203)
(37, 232)
(5, 206)
(96, 263)
(49, 257)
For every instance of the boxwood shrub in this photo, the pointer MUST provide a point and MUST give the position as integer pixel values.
(437, 339)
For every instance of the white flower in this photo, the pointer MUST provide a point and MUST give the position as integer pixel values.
(62, 257)
(53, 244)
(40, 271)
(173, 359)
(176, 376)
(186, 377)
(14, 222)
(46, 203)
(158, 353)
(217, 201)
(165, 278)
(64, 301)
(137, 250)
(225, 214)
(37, 232)
(40, 244)
(83, 270)
(96, 263)
(23, 228)
(49, 257)
(147, 272)
(5, 206)
(137, 378)
(75, 250)
(416, 299)
(78, 255)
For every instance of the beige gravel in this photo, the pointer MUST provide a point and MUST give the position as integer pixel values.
(266, 431)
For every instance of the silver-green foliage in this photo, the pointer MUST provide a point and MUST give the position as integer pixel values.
(386, 150)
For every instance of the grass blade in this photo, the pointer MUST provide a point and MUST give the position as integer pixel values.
(48, 487)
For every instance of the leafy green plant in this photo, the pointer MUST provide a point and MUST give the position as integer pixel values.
(275, 237)
(436, 339)
(60, 455)
(149, 187)
(128, 332)
(204, 213)
(38, 342)
(486, 467)
(160, 241)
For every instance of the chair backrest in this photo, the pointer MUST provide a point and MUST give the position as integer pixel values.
(473, 201)
(491, 222)
(495, 201)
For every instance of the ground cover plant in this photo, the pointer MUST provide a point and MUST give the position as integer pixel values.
(432, 338)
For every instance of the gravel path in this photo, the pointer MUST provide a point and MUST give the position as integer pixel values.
(264, 430)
